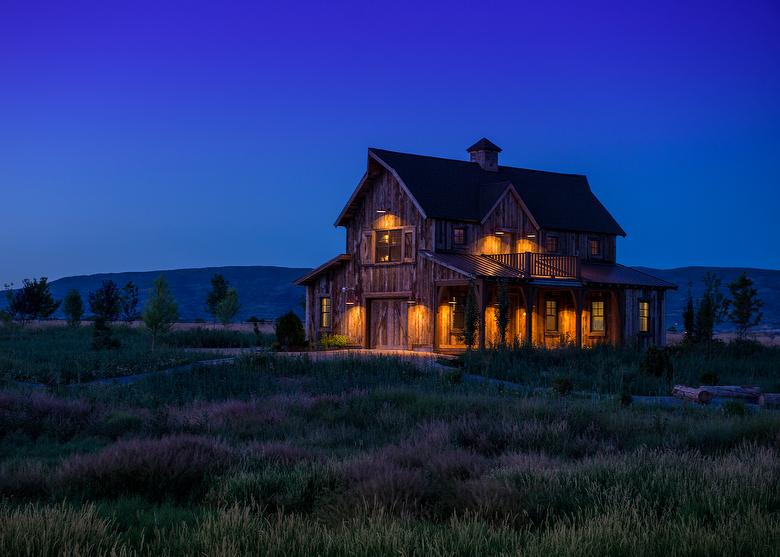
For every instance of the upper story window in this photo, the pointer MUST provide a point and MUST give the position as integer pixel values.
(551, 244)
(325, 312)
(388, 246)
(551, 316)
(595, 247)
(459, 236)
(644, 317)
(597, 316)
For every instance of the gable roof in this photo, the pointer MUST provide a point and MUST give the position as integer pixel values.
(314, 273)
(461, 190)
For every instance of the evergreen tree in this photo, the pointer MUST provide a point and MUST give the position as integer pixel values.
(228, 307)
(502, 312)
(73, 307)
(689, 318)
(219, 289)
(106, 302)
(745, 305)
(161, 311)
(129, 302)
(471, 316)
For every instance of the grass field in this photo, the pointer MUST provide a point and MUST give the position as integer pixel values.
(271, 456)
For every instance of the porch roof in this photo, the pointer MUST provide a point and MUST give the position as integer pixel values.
(335, 262)
(473, 266)
(616, 274)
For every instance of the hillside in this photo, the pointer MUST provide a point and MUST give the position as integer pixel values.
(766, 281)
(264, 292)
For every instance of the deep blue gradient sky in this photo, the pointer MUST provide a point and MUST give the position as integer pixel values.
(145, 135)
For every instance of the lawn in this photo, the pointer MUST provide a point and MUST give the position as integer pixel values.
(56, 355)
(273, 456)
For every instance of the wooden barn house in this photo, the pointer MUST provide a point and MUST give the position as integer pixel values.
(421, 231)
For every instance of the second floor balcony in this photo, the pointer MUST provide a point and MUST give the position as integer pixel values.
(541, 265)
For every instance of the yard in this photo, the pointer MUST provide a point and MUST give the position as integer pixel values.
(279, 456)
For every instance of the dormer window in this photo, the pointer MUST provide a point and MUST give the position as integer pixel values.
(388, 246)
(595, 247)
(459, 236)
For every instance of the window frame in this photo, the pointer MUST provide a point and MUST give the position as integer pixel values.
(552, 238)
(603, 317)
(597, 242)
(551, 315)
(389, 245)
(645, 323)
(407, 249)
(325, 301)
(462, 230)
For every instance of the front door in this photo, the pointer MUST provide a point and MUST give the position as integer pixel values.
(389, 323)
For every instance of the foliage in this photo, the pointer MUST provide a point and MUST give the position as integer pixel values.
(713, 308)
(562, 385)
(32, 301)
(502, 312)
(471, 316)
(106, 302)
(689, 318)
(103, 337)
(200, 337)
(161, 311)
(334, 341)
(73, 307)
(656, 362)
(289, 332)
(129, 302)
(745, 310)
(219, 289)
(228, 307)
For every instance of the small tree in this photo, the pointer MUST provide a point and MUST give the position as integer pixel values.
(106, 302)
(712, 309)
(745, 304)
(73, 307)
(689, 318)
(161, 311)
(471, 316)
(128, 298)
(228, 307)
(219, 289)
(32, 301)
(502, 312)
(289, 331)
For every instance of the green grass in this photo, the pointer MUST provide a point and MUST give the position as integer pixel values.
(272, 456)
(64, 355)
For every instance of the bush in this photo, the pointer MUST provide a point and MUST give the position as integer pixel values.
(175, 466)
(289, 332)
(562, 385)
(334, 341)
(709, 378)
(655, 362)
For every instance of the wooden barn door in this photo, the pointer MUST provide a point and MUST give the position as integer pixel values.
(389, 323)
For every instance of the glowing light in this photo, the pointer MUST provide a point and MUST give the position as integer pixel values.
(530, 235)
(411, 301)
(381, 211)
(499, 232)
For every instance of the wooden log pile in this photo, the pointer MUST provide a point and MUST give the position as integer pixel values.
(745, 393)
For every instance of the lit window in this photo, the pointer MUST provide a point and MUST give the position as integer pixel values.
(325, 313)
(595, 247)
(597, 317)
(459, 236)
(644, 317)
(551, 316)
(388, 245)
(552, 244)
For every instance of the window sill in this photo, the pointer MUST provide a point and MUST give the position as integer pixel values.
(597, 334)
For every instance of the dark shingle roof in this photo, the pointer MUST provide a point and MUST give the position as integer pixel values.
(314, 273)
(462, 190)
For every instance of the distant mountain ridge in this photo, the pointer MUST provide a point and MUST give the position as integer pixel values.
(266, 292)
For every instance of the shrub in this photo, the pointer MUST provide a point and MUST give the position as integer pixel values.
(334, 341)
(709, 378)
(655, 362)
(562, 385)
(289, 332)
(175, 466)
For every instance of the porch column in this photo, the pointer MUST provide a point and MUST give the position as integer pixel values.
(482, 302)
(579, 300)
(529, 293)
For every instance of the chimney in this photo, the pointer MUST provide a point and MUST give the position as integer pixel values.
(485, 153)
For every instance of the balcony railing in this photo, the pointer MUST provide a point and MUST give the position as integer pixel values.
(541, 265)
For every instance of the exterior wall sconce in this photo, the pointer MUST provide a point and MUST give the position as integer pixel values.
(530, 236)
(350, 292)
(411, 301)
(453, 302)
(381, 211)
(499, 233)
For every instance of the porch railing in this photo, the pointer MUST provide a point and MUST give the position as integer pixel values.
(541, 265)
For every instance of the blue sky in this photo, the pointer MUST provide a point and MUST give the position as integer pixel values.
(151, 135)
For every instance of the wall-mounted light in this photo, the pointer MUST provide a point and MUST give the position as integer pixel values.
(453, 302)
(530, 236)
(350, 292)
(411, 301)
(381, 211)
(499, 232)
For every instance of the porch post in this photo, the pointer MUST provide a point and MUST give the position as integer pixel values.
(579, 299)
(529, 293)
(482, 302)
